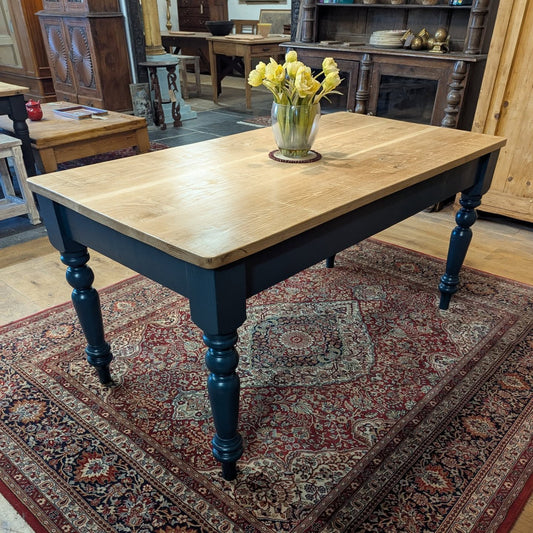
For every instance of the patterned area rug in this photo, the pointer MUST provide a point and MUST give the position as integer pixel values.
(258, 122)
(364, 408)
(108, 156)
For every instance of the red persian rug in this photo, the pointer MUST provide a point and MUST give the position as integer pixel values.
(364, 408)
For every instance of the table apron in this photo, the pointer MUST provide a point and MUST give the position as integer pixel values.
(248, 276)
(279, 262)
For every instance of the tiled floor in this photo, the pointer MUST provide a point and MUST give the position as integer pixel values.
(216, 120)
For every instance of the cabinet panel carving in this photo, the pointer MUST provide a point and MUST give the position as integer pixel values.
(88, 53)
(81, 55)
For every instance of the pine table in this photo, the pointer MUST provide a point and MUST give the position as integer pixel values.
(219, 221)
(57, 139)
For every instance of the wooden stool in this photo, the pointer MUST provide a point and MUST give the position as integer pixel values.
(11, 205)
(159, 113)
(184, 62)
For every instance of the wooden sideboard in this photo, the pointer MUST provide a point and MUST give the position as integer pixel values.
(86, 45)
(418, 86)
(23, 58)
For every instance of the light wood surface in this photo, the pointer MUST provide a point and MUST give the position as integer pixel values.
(241, 202)
(58, 139)
(505, 107)
(8, 89)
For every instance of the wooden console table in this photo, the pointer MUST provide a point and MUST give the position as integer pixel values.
(247, 48)
(188, 43)
(56, 139)
(236, 222)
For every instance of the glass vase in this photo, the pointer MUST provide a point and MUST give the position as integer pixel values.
(295, 128)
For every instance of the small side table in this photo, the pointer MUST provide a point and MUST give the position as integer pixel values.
(173, 92)
(11, 205)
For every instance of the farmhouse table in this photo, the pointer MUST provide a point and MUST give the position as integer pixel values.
(246, 46)
(13, 105)
(219, 221)
(57, 139)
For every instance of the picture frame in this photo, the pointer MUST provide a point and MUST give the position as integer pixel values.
(141, 101)
(277, 17)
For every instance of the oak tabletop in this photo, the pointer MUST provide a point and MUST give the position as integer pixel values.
(8, 89)
(52, 129)
(214, 202)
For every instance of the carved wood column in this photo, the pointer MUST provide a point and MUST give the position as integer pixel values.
(363, 92)
(152, 31)
(455, 95)
(476, 27)
(308, 21)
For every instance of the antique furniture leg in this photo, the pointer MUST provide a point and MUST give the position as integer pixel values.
(174, 95)
(87, 305)
(213, 67)
(158, 101)
(247, 59)
(462, 235)
(19, 115)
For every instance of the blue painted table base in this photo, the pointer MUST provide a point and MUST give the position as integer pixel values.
(218, 296)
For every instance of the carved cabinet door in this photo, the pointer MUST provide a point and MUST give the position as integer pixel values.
(81, 59)
(54, 5)
(58, 48)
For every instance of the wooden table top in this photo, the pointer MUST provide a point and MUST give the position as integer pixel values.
(217, 201)
(8, 89)
(54, 129)
(192, 34)
(244, 38)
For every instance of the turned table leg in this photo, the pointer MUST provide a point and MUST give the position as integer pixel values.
(462, 234)
(223, 386)
(87, 305)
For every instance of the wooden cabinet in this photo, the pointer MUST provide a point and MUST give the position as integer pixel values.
(505, 108)
(419, 86)
(193, 14)
(23, 58)
(87, 52)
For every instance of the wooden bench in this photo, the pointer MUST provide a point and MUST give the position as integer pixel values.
(56, 139)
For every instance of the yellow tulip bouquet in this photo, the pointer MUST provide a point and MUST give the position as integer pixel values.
(293, 83)
(297, 94)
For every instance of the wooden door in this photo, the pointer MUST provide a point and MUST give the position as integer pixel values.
(9, 50)
(505, 107)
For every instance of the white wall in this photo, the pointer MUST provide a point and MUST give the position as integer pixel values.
(235, 11)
